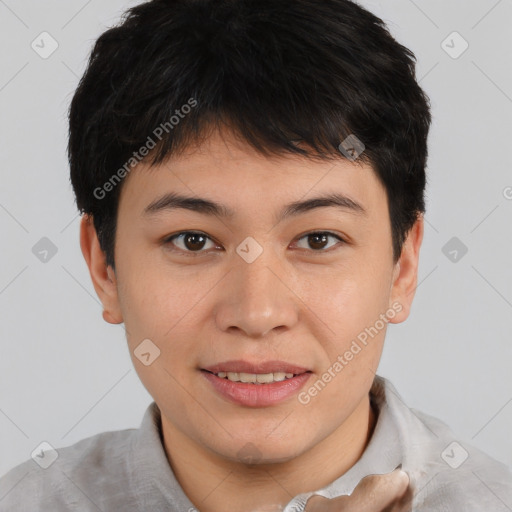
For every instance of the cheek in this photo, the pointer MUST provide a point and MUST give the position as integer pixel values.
(154, 300)
(348, 300)
(159, 310)
(356, 305)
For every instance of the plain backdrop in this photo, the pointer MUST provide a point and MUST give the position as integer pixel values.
(65, 374)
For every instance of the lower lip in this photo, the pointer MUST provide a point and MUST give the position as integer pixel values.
(257, 395)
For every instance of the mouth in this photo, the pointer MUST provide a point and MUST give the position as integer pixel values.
(255, 378)
(264, 372)
(256, 385)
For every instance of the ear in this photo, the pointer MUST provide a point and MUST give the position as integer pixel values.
(103, 277)
(405, 275)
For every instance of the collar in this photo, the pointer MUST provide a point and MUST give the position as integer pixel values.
(158, 489)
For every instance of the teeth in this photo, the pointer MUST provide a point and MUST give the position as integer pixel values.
(265, 378)
(255, 378)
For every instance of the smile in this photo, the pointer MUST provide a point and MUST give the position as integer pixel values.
(256, 389)
(255, 378)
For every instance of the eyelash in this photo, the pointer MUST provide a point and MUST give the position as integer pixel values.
(169, 241)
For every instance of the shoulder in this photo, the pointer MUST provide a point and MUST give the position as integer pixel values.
(77, 479)
(447, 472)
(454, 472)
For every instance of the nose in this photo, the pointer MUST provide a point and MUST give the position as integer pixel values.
(257, 299)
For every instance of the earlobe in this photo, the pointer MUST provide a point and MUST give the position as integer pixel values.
(109, 318)
(405, 273)
(102, 276)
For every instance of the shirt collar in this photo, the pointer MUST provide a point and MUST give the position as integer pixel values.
(151, 473)
(383, 454)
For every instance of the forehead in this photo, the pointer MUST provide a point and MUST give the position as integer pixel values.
(229, 170)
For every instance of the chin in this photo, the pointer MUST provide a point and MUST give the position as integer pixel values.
(263, 451)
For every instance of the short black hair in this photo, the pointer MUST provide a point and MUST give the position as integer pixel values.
(273, 71)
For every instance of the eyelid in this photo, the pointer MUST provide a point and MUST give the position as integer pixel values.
(168, 240)
(341, 240)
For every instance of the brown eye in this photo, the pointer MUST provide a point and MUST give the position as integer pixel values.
(189, 241)
(318, 241)
(194, 241)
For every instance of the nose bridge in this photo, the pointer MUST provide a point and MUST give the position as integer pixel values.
(257, 299)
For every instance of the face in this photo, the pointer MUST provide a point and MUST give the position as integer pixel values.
(260, 281)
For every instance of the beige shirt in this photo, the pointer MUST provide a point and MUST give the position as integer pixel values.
(128, 471)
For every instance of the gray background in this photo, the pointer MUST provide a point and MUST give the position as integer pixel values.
(66, 374)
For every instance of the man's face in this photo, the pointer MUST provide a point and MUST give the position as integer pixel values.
(213, 298)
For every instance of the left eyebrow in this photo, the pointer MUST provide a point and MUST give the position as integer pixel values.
(332, 200)
(173, 201)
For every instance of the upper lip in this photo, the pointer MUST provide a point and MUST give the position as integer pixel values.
(241, 366)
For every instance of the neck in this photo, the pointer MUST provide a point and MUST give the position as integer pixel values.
(215, 484)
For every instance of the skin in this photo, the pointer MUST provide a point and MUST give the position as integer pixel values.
(374, 493)
(293, 303)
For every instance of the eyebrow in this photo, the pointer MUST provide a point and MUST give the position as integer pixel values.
(174, 201)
